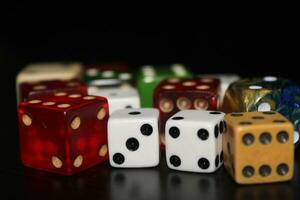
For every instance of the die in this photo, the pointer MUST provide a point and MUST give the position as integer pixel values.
(173, 95)
(194, 140)
(254, 94)
(265, 94)
(290, 108)
(63, 134)
(258, 147)
(225, 81)
(108, 75)
(295, 118)
(118, 98)
(133, 138)
(49, 88)
(149, 76)
(130, 184)
(48, 71)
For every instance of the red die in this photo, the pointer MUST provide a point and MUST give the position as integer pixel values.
(174, 94)
(63, 134)
(48, 88)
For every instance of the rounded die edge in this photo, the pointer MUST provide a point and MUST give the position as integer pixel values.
(216, 112)
(209, 170)
(135, 113)
(133, 166)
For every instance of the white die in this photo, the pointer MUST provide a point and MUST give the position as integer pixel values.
(118, 97)
(194, 140)
(133, 138)
(225, 80)
(48, 71)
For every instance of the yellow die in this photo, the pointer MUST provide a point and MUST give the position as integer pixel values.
(258, 147)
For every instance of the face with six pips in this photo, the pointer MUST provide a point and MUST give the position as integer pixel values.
(176, 94)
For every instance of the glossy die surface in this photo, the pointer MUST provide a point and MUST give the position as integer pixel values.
(258, 147)
(133, 138)
(225, 81)
(118, 98)
(108, 75)
(290, 108)
(63, 134)
(48, 71)
(265, 94)
(254, 94)
(173, 95)
(194, 140)
(49, 88)
(150, 76)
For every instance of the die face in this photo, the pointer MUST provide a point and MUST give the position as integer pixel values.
(49, 88)
(133, 114)
(150, 76)
(268, 135)
(173, 95)
(47, 71)
(63, 134)
(201, 132)
(118, 98)
(105, 74)
(38, 148)
(133, 138)
(87, 139)
(201, 94)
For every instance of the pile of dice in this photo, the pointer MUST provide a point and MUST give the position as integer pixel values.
(72, 118)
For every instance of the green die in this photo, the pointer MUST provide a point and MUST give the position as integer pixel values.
(148, 77)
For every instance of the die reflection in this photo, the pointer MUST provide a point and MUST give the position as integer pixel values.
(183, 185)
(278, 191)
(36, 184)
(135, 184)
(42, 185)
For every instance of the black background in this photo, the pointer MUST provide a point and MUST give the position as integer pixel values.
(248, 51)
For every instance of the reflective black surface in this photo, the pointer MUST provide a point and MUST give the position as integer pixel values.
(104, 182)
